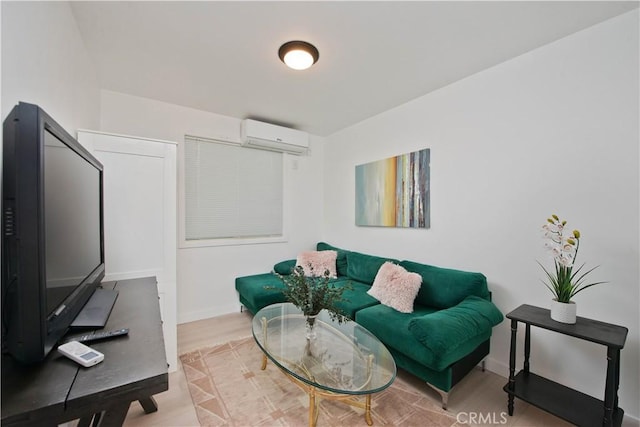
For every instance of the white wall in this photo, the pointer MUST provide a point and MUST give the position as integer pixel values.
(555, 130)
(552, 131)
(206, 275)
(44, 62)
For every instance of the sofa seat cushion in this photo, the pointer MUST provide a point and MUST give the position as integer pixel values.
(392, 328)
(411, 335)
(444, 287)
(363, 268)
(253, 291)
(454, 332)
(354, 299)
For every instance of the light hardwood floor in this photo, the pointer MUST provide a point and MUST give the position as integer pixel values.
(479, 395)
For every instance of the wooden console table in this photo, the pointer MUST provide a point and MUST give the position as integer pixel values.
(571, 405)
(134, 368)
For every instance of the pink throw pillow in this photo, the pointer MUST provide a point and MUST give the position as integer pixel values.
(395, 287)
(315, 263)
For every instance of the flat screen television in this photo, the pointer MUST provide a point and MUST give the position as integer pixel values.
(52, 232)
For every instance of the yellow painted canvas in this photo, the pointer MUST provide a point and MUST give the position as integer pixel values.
(394, 192)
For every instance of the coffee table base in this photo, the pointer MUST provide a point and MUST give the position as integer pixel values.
(314, 393)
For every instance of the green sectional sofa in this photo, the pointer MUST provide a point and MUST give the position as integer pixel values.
(447, 334)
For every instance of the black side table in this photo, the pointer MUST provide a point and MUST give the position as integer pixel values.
(571, 405)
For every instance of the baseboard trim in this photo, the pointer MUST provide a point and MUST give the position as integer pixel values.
(497, 367)
(193, 316)
(630, 421)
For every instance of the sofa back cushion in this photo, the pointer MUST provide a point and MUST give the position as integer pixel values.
(341, 260)
(363, 267)
(444, 287)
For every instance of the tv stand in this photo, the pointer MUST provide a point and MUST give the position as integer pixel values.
(96, 311)
(134, 369)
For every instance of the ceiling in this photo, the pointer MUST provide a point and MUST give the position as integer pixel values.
(222, 57)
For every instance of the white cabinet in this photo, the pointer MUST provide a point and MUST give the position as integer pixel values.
(140, 216)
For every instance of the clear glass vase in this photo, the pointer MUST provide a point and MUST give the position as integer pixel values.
(310, 321)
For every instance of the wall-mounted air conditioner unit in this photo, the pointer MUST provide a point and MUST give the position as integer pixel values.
(266, 136)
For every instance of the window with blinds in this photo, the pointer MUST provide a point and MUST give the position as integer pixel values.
(231, 192)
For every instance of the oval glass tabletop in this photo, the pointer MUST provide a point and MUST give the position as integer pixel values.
(341, 358)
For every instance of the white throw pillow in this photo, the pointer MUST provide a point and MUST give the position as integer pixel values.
(396, 287)
(315, 263)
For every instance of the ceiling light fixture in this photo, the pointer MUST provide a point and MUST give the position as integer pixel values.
(298, 55)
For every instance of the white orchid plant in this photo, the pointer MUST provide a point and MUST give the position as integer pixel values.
(566, 282)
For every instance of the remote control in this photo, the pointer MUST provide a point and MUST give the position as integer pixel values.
(101, 335)
(80, 353)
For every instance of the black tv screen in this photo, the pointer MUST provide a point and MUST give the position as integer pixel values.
(72, 219)
(53, 240)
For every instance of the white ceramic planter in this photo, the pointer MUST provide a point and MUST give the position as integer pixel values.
(563, 312)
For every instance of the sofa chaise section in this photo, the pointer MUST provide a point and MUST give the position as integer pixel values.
(255, 291)
(260, 290)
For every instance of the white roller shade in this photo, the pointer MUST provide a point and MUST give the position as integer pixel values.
(231, 191)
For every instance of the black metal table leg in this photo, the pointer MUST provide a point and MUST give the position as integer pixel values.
(512, 365)
(610, 391)
(527, 347)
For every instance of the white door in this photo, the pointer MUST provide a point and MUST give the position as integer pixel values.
(140, 216)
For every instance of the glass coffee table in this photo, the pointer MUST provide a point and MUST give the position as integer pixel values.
(340, 362)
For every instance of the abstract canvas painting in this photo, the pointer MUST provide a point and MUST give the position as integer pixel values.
(394, 192)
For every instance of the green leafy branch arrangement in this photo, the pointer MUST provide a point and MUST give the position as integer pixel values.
(312, 293)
